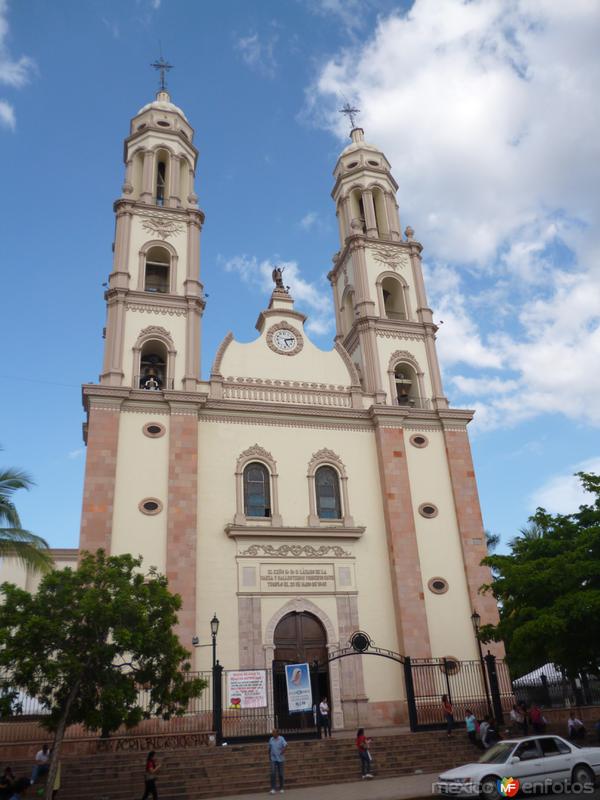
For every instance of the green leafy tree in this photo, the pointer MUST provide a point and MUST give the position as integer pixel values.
(548, 589)
(30, 549)
(89, 640)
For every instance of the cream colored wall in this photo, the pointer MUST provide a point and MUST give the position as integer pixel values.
(13, 571)
(142, 471)
(220, 445)
(135, 322)
(440, 550)
(140, 236)
(256, 360)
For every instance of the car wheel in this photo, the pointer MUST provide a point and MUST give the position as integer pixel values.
(489, 788)
(583, 775)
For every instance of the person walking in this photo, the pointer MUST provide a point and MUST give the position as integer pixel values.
(517, 721)
(471, 724)
(152, 767)
(538, 723)
(362, 745)
(575, 727)
(448, 713)
(277, 746)
(324, 719)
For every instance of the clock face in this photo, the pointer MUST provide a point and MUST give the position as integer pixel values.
(285, 340)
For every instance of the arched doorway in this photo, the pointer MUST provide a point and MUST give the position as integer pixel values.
(299, 637)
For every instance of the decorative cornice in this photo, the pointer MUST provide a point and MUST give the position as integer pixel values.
(157, 309)
(325, 532)
(216, 367)
(354, 377)
(326, 456)
(256, 451)
(386, 333)
(403, 355)
(274, 422)
(295, 551)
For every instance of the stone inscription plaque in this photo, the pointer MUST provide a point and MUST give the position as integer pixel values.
(295, 577)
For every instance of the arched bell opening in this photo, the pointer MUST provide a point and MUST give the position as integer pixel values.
(381, 220)
(157, 275)
(348, 313)
(406, 386)
(393, 299)
(161, 177)
(153, 366)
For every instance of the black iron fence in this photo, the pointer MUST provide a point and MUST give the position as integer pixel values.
(558, 691)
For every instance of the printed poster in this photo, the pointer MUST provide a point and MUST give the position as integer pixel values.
(297, 678)
(247, 688)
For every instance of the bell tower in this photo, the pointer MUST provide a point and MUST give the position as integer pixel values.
(156, 264)
(377, 281)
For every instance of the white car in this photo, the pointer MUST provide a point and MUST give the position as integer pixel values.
(536, 762)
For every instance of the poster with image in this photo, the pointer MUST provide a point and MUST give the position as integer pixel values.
(299, 692)
(247, 688)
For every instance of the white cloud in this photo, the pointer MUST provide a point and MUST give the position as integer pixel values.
(14, 72)
(488, 112)
(7, 115)
(308, 296)
(75, 454)
(258, 52)
(563, 494)
(309, 220)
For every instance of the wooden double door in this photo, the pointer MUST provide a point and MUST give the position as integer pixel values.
(299, 638)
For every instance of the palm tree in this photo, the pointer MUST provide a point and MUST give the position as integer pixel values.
(31, 550)
(529, 533)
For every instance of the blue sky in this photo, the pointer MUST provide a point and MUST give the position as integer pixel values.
(488, 112)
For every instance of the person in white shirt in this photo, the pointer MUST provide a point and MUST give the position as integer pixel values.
(324, 720)
(42, 763)
(575, 727)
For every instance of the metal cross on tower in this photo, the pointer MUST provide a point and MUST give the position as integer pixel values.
(350, 113)
(164, 67)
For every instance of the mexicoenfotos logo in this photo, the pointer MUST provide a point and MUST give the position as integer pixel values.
(508, 787)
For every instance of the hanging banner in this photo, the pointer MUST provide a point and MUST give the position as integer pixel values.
(247, 688)
(297, 678)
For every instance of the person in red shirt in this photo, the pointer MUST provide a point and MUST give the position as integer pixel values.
(362, 744)
(448, 713)
(152, 768)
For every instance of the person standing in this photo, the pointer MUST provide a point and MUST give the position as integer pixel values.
(538, 722)
(324, 718)
(517, 720)
(152, 767)
(471, 723)
(277, 746)
(448, 713)
(362, 745)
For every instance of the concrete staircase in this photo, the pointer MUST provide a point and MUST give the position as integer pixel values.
(200, 773)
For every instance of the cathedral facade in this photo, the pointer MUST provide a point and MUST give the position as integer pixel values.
(300, 494)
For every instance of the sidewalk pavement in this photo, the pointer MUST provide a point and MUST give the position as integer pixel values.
(405, 787)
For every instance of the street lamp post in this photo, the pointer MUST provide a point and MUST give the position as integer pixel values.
(476, 621)
(217, 677)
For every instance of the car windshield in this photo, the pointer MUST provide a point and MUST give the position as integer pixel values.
(498, 753)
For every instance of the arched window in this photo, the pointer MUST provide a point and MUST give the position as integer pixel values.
(157, 275)
(162, 176)
(381, 220)
(357, 209)
(393, 299)
(153, 366)
(257, 495)
(327, 489)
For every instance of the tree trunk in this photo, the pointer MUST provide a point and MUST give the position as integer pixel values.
(58, 738)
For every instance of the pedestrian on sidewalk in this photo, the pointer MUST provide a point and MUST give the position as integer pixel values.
(324, 719)
(448, 713)
(575, 727)
(471, 723)
(362, 744)
(277, 746)
(538, 721)
(152, 767)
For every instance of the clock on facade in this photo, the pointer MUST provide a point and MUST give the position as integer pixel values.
(284, 339)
